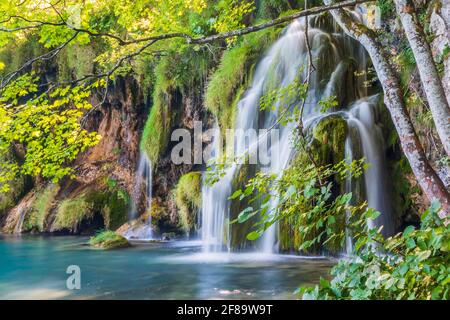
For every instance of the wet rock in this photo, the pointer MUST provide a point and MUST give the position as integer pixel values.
(109, 240)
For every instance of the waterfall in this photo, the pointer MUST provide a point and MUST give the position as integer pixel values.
(19, 225)
(215, 206)
(348, 188)
(337, 58)
(142, 194)
(362, 118)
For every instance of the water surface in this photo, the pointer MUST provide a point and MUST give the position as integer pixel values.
(34, 267)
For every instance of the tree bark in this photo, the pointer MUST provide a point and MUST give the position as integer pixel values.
(429, 181)
(427, 69)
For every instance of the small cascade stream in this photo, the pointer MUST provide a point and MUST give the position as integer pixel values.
(337, 59)
(142, 194)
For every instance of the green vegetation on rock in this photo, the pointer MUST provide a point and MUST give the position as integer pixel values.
(15, 54)
(329, 136)
(110, 202)
(44, 201)
(9, 199)
(225, 85)
(71, 212)
(188, 199)
(108, 240)
(175, 75)
(76, 62)
(238, 231)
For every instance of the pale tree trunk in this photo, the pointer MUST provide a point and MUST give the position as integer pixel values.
(427, 69)
(427, 178)
(440, 27)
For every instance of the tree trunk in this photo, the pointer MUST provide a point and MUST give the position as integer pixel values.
(427, 69)
(427, 178)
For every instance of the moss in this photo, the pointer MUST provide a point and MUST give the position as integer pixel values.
(108, 240)
(406, 65)
(188, 199)
(233, 72)
(43, 202)
(76, 61)
(110, 203)
(175, 75)
(17, 188)
(71, 212)
(328, 145)
(10, 198)
(387, 8)
(15, 54)
(157, 127)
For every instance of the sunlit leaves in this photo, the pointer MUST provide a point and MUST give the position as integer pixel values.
(46, 125)
(231, 14)
(113, 22)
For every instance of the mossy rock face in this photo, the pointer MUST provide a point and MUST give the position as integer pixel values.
(188, 199)
(227, 82)
(10, 198)
(43, 203)
(156, 132)
(109, 204)
(15, 54)
(17, 188)
(109, 240)
(176, 75)
(327, 146)
(75, 62)
(71, 212)
(329, 134)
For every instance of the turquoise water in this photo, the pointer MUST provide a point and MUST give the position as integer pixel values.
(34, 267)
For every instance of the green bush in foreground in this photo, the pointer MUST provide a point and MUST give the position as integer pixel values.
(108, 239)
(414, 264)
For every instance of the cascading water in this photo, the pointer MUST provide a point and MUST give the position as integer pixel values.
(214, 211)
(142, 189)
(361, 117)
(337, 59)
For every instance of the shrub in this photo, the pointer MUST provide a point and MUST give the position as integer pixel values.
(414, 264)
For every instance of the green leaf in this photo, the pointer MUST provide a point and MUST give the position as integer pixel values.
(236, 194)
(408, 231)
(246, 214)
(410, 243)
(253, 235)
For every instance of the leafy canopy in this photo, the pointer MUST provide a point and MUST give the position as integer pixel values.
(46, 126)
(41, 118)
